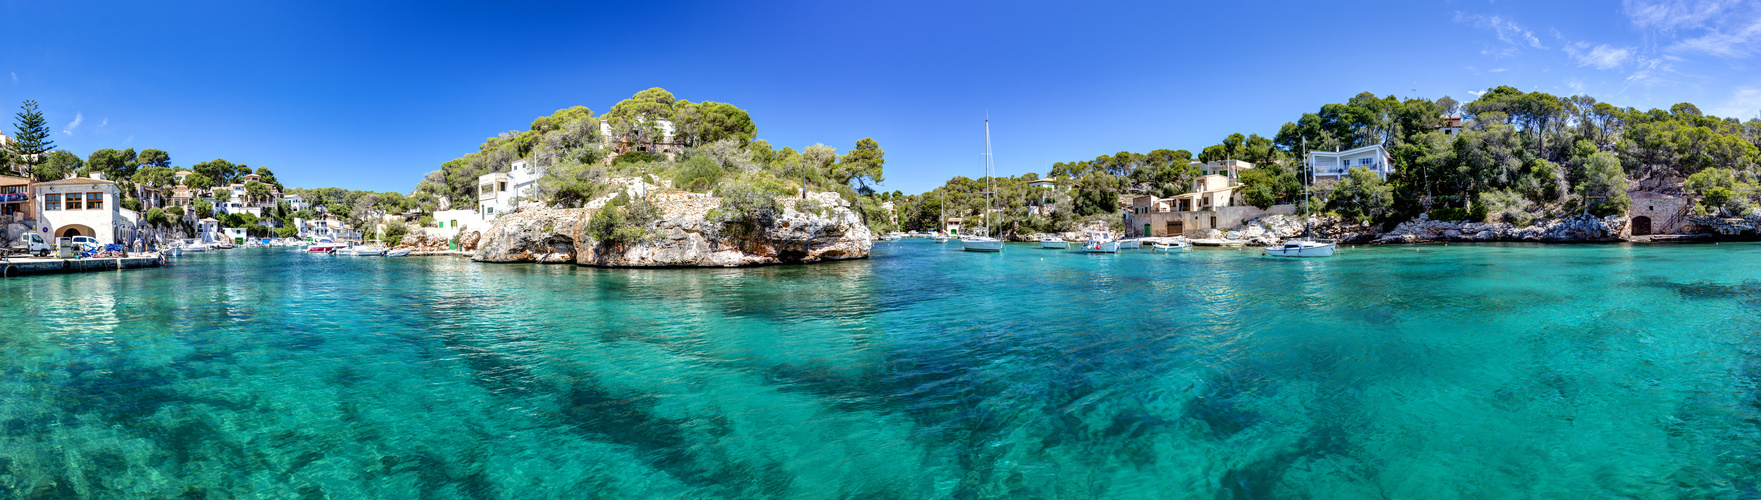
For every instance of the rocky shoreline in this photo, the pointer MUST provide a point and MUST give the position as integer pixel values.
(686, 235)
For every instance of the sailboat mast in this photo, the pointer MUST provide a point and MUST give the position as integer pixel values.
(1308, 174)
(987, 177)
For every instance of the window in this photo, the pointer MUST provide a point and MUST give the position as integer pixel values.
(52, 202)
(73, 201)
(503, 186)
(95, 201)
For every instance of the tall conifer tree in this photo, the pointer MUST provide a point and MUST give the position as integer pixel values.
(30, 144)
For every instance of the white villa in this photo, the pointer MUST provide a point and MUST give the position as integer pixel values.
(294, 202)
(80, 207)
(502, 191)
(1335, 165)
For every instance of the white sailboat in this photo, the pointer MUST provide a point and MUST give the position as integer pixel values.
(1305, 246)
(983, 242)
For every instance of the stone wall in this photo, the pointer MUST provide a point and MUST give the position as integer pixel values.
(1662, 213)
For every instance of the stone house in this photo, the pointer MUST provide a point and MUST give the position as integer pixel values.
(1657, 213)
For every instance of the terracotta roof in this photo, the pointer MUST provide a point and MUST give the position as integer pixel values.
(76, 180)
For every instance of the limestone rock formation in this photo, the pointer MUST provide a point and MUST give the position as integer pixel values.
(684, 236)
(1576, 228)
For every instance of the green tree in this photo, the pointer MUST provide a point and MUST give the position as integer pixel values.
(153, 176)
(202, 208)
(267, 177)
(198, 181)
(257, 191)
(154, 158)
(709, 121)
(1097, 193)
(157, 217)
(219, 170)
(30, 142)
(862, 165)
(1604, 186)
(1361, 196)
(1270, 184)
(116, 165)
(222, 195)
(57, 165)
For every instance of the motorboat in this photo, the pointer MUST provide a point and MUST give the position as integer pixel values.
(1301, 248)
(361, 251)
(401, 252)
(1053, 242)
(1171, 246)
(1100, 242)
(322, 245)
(1130, 244)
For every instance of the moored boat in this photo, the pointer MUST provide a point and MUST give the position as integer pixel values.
(981, 242)
(1053, 242)
(322, 245)
(1100, 242)
(401, 252)
(1173, 246)
(1301, 248)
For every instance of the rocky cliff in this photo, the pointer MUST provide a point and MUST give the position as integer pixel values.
(685, 235)
(1577, 228)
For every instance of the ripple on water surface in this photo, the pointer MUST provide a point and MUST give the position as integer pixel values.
(1449, 372)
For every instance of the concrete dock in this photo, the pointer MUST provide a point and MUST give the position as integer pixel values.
(26, 266)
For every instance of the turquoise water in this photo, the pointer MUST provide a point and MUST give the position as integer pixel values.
(1498, 371)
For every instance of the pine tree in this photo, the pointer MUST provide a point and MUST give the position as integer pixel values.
(31, 145)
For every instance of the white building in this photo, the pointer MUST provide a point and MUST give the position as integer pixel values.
(294, 202)
(79, 207)
(502, 191)
(1335, 165)
(208, 230)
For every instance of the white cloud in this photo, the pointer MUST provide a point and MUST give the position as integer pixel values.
(1600, 56)
(104, 123)
(1736, 44)
(15, 77)
(1514, 36)
(1477, 93)
(1722, 28)
(1744, 103)
(1673, 14)
(1497, 70)
(77, 117)
(1651, 72)
(1576, 86)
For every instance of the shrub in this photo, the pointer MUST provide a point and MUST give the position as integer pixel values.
(636, 157)
(698, 174)
(1507, 206)
(394, 232)
(743, 210)
(808, 206)
(612, 225)
(1449, 214)
(132, 204)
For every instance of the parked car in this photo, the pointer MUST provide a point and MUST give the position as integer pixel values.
(86, 240)
(32, 243)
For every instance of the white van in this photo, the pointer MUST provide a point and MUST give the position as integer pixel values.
(32, 243)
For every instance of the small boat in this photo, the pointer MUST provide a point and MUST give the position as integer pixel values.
(171, 251)
(1100, 242)
(981, 244)
(1301, 248)
(1053, 242)
(1130, 243)
(1176, 246)
(322, 245)
(361, 251)
(1305, 246)
(401, 252)
(196, 246)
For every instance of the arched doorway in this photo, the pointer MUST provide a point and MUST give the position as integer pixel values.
(1641, 226)
(71, 230)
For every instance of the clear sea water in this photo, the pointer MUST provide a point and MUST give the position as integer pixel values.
(1492, 371)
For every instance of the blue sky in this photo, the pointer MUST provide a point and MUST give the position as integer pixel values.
(372, 96)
